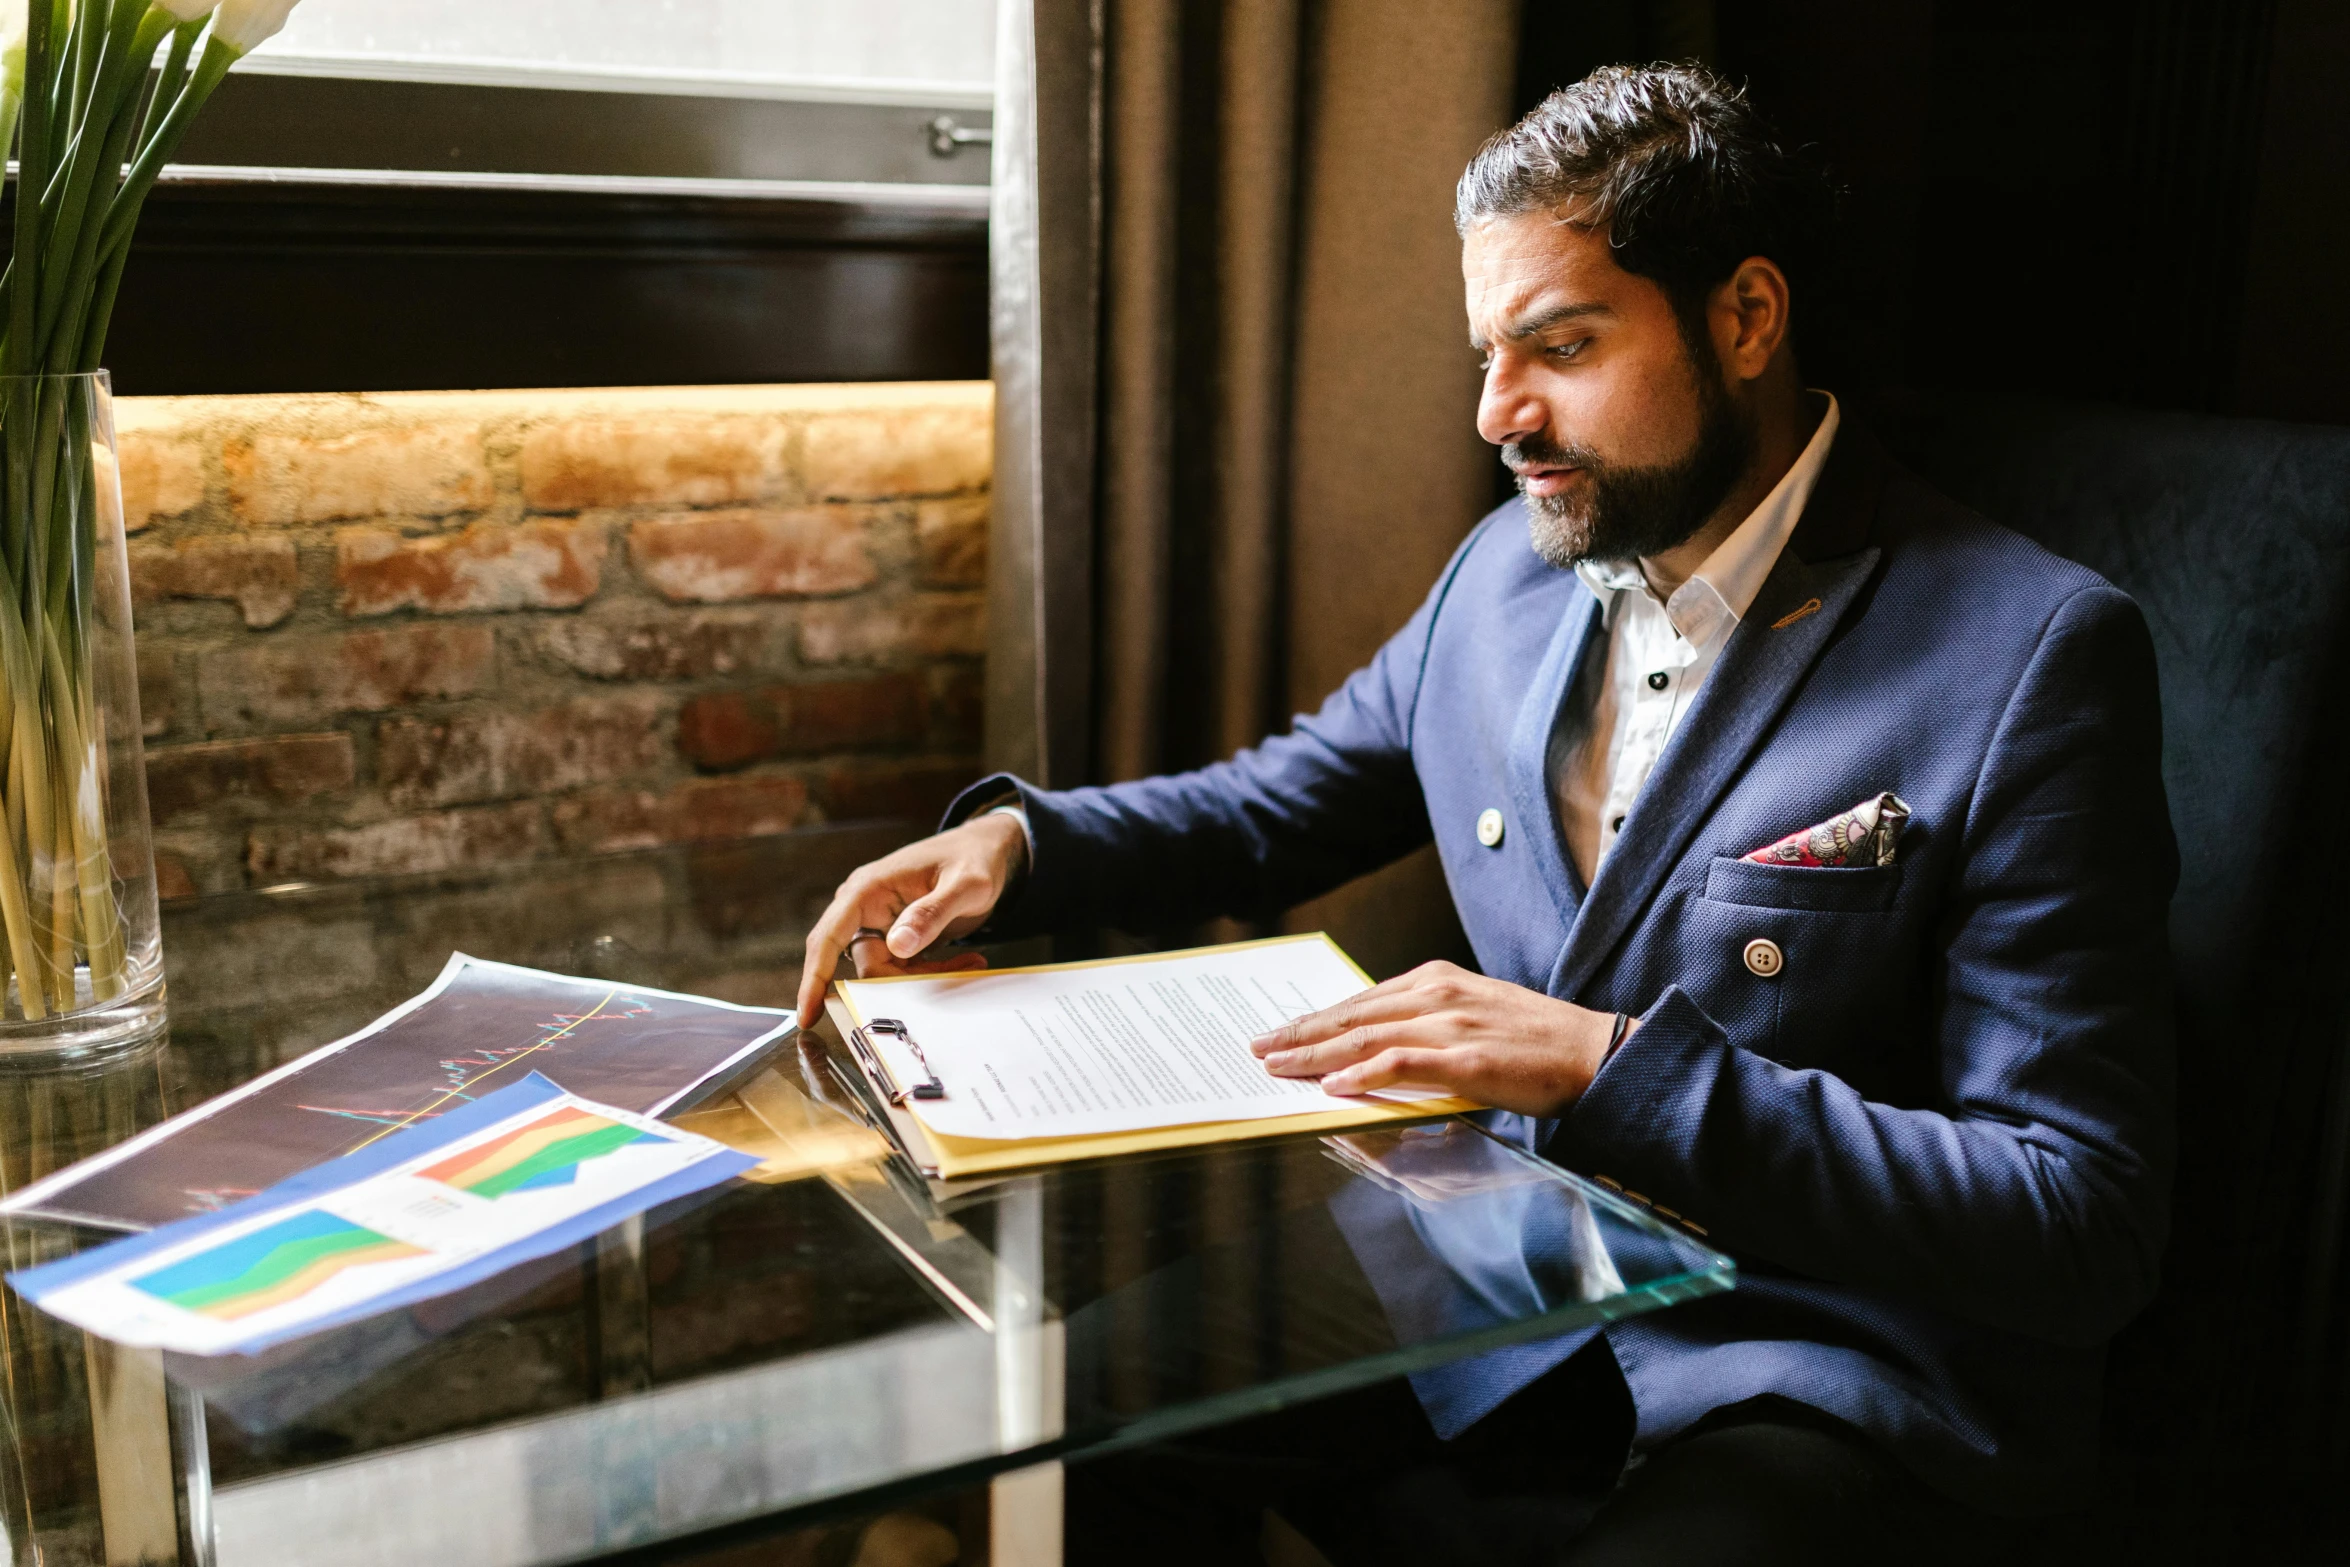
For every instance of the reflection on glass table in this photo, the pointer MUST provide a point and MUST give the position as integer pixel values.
(832, 1334)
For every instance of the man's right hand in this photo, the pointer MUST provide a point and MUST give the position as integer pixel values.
(928, 892)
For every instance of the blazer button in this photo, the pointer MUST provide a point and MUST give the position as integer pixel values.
(1763, 957)
(1489, 827)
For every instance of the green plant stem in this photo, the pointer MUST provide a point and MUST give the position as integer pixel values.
(175, 64)
(65, 338)
(32, 164)
(156, 87)
(28, 774)
(87, 166)
(62, 884)
(115, 254)
(57, 85)
(66, 343)
(15, 918)
(50, 196)
(15, 356)
(67, 585)
(16, 915)
(82, 824)
(210, 68)
(65, 97)
(18, 919)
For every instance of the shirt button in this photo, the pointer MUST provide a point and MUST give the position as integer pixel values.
(1659, 680)
(1763, 957)
(1489, 826)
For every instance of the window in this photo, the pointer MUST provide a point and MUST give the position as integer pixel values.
(639, 92)
(432, 193)
(918, 51)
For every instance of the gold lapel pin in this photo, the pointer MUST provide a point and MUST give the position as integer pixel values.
(1807, 607)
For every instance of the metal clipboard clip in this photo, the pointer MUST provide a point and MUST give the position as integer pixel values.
(929, 1088)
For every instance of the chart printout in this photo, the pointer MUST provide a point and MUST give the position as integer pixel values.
(480, 1026)
(1124, 1046)
(516, 1174)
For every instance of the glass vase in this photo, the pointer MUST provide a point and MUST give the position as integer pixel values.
(78, 933)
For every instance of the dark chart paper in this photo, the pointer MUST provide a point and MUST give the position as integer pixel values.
(481, 1026)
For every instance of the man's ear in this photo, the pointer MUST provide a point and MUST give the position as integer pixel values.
(1750, 317)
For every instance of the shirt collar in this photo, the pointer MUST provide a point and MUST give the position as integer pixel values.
(1726, 585)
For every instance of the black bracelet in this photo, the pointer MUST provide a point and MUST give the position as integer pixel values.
(1616, 1035)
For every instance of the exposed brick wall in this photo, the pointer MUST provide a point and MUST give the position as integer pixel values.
(416, 631)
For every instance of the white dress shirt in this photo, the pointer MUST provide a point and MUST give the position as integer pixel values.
(1614, 725)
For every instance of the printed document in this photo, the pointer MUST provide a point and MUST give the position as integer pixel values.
(1080, 1049)
(479, 1027)
(514, 1175)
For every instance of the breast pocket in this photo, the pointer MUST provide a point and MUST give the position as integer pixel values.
(1817, 889)
(1811, 957)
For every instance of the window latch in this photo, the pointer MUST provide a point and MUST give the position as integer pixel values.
(948, 137)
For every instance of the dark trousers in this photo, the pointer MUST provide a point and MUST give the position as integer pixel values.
(1540, 1482)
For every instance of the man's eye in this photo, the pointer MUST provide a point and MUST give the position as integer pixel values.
(1568, 350)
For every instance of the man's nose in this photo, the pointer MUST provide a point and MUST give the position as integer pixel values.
(1507, 410)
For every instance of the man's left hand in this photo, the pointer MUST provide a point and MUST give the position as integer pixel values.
(1441, 1026)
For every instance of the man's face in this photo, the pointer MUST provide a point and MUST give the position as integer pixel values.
(1623, 440)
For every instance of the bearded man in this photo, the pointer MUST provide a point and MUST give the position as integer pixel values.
(1809, 834)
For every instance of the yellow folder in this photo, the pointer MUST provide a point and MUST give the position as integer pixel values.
(948, 1157)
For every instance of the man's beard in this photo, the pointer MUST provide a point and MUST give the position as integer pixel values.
(1624, 514)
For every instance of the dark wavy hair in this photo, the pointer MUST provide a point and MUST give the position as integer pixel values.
(1683, 175)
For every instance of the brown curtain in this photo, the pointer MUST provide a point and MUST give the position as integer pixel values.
(1234, 430)
(1287, 453)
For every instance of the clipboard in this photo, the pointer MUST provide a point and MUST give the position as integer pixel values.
(943, 1157)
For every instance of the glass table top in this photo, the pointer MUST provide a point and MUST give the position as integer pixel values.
(831, 1333)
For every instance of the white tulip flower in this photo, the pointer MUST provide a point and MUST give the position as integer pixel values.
(187, 10)
(244, 25)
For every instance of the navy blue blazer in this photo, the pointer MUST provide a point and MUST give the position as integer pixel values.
(1939, 1141)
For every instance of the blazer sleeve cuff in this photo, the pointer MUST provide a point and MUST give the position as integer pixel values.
(1029, 904)
(1644, 1107)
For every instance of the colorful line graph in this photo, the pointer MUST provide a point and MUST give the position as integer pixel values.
(270, 1266)
(462, 1080)
(546, 1151)
(462, 1075)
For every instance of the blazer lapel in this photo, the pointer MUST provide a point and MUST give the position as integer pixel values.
(1784, 632)
(1531, 807)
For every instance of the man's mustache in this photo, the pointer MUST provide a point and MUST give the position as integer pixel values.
(1538, 451)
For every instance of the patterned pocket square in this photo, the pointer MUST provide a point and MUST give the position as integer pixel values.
(1864, 835)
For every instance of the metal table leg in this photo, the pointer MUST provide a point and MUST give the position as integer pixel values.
(1024, 1507)
(198, 1546)
(130, 1427)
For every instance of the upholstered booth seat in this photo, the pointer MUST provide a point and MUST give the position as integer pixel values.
(2225, 1402)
